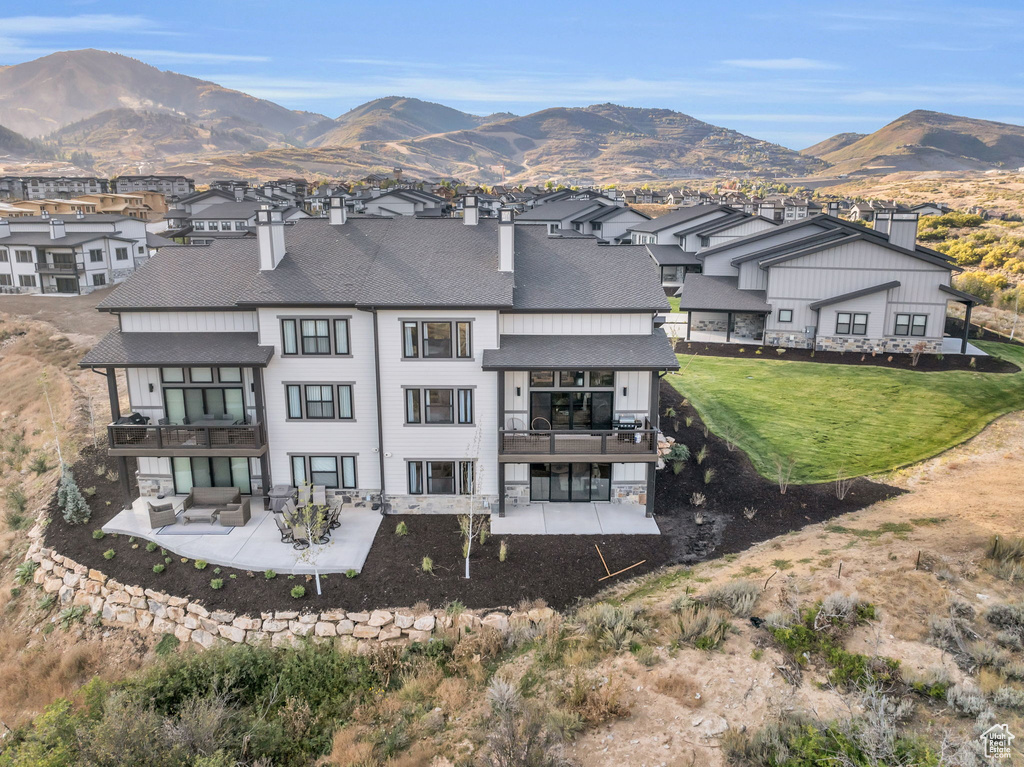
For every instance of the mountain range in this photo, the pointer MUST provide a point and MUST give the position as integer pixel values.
(132, 117)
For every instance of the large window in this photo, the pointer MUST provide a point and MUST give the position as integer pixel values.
(319, 401)
(219, 471)
(27, 280)
(5, 280)
(4, 258)
(332, 471)
(911, 325)
(431, 339)
(851, 324)
(121, 254)
(96, 256)
(441, 477)
(572, 379)
(23, 256)
(99, 279)
(439, 406)
(315, 337)
(580, 482)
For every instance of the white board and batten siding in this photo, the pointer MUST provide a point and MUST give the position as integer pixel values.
(403, 442)
(575, 324)
(719, 264)
(188, 322)
(357, 437)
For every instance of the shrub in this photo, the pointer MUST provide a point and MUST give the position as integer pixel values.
(427, 565)
(738, 597)
(168, 644)
(40, 464)
(159, 568)
(269, 575)
(298, 592)
(401, 529)
(23, 573)
(709, 475)
(167, 560)
(15, 520)
(217, 583)
(677, 457)
(965, 701)
(73, 505)
(16, 500)
(749, 512)
(612, 628)
(351, 573)
(503, 550)
(200, 564)
(109, 554)
(701, 626)
(151, 547)
(698, 499)
(701, 455)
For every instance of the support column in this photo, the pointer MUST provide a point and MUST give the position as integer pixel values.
(655, 418)
(967, 327)
(652, 469)
(266, 481)
(728, 327)
(689, 323)
(501, 426)
(122, 463)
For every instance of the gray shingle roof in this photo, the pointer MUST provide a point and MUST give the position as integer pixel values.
(702, 292)
(557, 210)
(677, 217)
(239, 210)
(672, 255)
(653, 352)
(118, 349)
(70, 240)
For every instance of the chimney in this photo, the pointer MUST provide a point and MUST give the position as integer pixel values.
(903, 230)
(470, 212)
(833, 209)
(270, 237)
(268, 190)
(57, 229)
(882, 222)
(44, 214)
(337, 214)
(506, 240)
(239, 194)
(79, 214)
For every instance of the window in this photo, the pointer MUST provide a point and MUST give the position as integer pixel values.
(441, 477)
(4, 258)
(142, 250)
(96, 255)
(5, 280)
(99, 279)
(230, 375)
(571, 378)
(542, 378)
(199, 226)
(911, 325)
(437, 340)
(602, 378)
(785, 315)
(552, 228)
(200, 375)
(317, 401)
(23, 256)
(121, 254)
(239, 226)
(851, 324)
(27, 280)
(213, 226)
(315, 337)
(332, 471)
(173, 375)
(439, 406)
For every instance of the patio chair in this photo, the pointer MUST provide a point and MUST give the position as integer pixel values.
(235, 514)
(304, 494)
(283, 529)
(332, 519)
(161, 514)
(319, 495)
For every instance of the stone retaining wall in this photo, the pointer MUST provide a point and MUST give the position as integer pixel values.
(157, 613)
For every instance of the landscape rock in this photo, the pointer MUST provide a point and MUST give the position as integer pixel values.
(326, 629)
(364, 631)
(379, 618)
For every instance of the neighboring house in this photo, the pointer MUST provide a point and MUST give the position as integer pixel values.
(142, 205)
(223, 220)
(558, 216)
(415, 362)
(826, 284)
(404, 202)
(168, 186)
(55, 187)
(662, 230)
(57, 207)
(930, 209)
(76, 255)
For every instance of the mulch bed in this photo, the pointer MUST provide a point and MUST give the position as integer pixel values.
(928, 363)
(560, 569)
(737, 486)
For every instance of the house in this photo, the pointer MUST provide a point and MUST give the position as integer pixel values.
(52, 187)
(930, 209)
(69, 255)
(598, 217)
(826, 284)
(168, 186)
(143, 205)
(414, 362)
(222, 220)
(404, 202)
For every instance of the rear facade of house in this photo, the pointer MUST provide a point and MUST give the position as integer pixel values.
(413, 364)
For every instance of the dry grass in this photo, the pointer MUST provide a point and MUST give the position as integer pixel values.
(681, 688)
(452, 694)
(347, 750)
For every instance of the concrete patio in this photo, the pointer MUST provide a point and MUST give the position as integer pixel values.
(257, 546)
(574, 519)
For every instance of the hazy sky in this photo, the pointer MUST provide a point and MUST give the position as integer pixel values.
(786, 71)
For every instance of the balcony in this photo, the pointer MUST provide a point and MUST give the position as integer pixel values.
(48, 268)
(239, 440)
(629, 445)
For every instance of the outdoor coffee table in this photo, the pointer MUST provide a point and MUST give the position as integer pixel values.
(199, 515)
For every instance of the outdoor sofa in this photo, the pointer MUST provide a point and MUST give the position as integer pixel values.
(235, 514)
(161, 514)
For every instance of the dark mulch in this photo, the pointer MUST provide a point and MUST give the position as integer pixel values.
(558, 569)
(737, 486)
(928, 363)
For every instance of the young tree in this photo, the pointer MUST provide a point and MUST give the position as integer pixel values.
(470, 525)
(310, 523)
(72, 503)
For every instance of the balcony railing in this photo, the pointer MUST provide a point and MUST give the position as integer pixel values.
(238, 439)
(636, 442)
(47, 268)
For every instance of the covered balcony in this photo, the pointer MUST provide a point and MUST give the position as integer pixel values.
(631, 443)
(213, 439)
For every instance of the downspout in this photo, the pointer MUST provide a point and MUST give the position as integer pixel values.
(817, 326)
(380, 412)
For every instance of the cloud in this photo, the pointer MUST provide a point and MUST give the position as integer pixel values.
(197, 57)
(17, 26)
(943, 97)
(781, 64)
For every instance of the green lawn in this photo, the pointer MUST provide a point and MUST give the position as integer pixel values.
(860, 419)
(673, 301)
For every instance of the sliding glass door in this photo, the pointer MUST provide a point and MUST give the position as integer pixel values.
(564, 410)
(216, 471)
(189, 405)
(570, 482)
